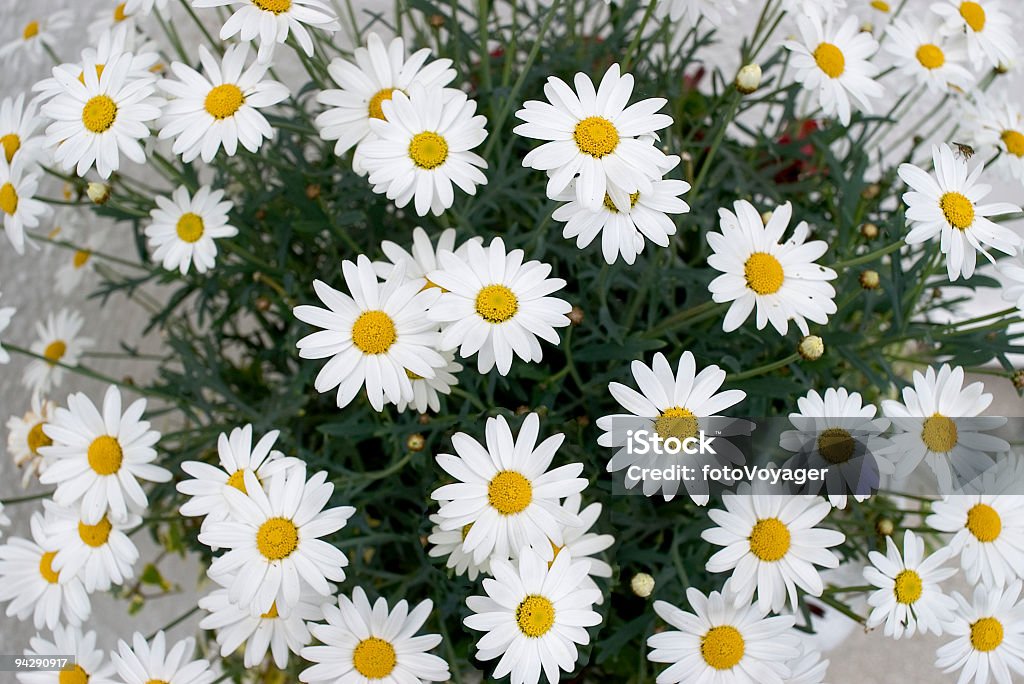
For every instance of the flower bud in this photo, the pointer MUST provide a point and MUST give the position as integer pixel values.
(98, 192)
(642, 584)
(869, 280)
(576, 316)
(749, 78)
(811, 347)
(869, 231)
(1018, 380)
(885, 527)
(416, 442)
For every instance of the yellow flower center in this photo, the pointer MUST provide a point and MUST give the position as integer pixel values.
(80, 258)
(973, 14)
(596, 136)
(722, 647)
(880, 5)
(99, 114)
(939, 434)
(986, 634)
(73, 674)
(830, 59)
(764, 273)
(373, 332)
(465, 530)
(1014, 141)
(119, 14)
(836, 445)
(535, 615)
(224, 100)
(678, 422)
(277, 538)
(157, 681)
(95, 535)
(610, 205)
(376, 111)
(769, 540)
(55, 351)
(496, 303)
(984, 523)
(931, 56)
(8, 199)
(412, 376)
(374, 658)
(428, 150)
(105, 455)
(99, 73)
(46, 567)
(958, 210)
(272, 613)
(908, 587)
(30, 31)
(237, 480)
(509, 492)
(37, 438)
(190, 227)
(275, 6)
(11, 143)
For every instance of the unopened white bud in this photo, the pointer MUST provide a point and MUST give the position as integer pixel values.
(749, 78)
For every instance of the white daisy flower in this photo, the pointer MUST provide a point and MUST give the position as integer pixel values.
(988, 29)
(909, 598)
(988, 636)
(36, 36)
(220, 107)
(147, 662)
(780, 279)
(722, 641)
(808, 667)
(96, 460)
(939, 422)
(583, 544)
(76, 263)
(18, 205)
(374, 337)
(507, 492)
(534, 615)
(449, 544)
(274, 540)
(101, 554)
(144, 7)
(671, 404)
(25, 436)
(377, 73)
(363, 643)
(29, 581)
(6, 313)
(690, 12)
(988, 533)
(426, 392)
(57, 341)
(923, 54)
(496, 306)
(185, 227)
(833, 63)
(272, 21)
(114, 17)
(423, 146)
(594, 138)
(819, 10)
(1012, 271)
(18, 124)
(946, 206)
(90, 664)
(422, 259)
(999, 124)
(771, 546)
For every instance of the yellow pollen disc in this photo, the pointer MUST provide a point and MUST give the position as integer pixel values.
(596, 136)
(8, 199)
(535, 615)
(769, 540)
(95, 535)
(156, 681)
(722, 647)
(99, 73)
(190, 227)
(930, 56)
(1014, 141)
(272, 613)
(908, 587)
(105, 455)
(11, 143)
(275, 6)
(55, 351)
(80, 258)
(678, 422)
(37, 438)
(412, 376)
(836, 445)
(880, 5)
(237, 480)
(30, 31)
(984, 523)
(973, 14)
(764, 273)
(428, 150)
(224, 100)
(73, 674)
(939, 434)
(99, 114)
(119, 14)
(496, 303)
(830, 59)
(509, 492)
(374, 658)
(46, 567)
(958, 210)
(373, 332)
(610, 205)
(376, 111)
(277, 538)
(986, 634)
(465, 530)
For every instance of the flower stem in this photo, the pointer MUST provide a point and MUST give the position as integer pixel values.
(767, 368)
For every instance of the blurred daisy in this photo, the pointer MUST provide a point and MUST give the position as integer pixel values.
(449, 544)
(989, 30)
(496, 306)
(946, 205)
(771, 546)
(373, 338)
(36, 36)
(29, 581)
(147, 662)
(6, 313)
(100, 554)
(819, 10)
(422, 259)
(272, 21)
(220, 107)
(583, 544)
(988, 636)
(833, 63)
(909, 598)
(691, 12)
(76, 263)
(426, 392)
(722, 641)
(1012, 271)
(780, 279)
(922, 53)
(363, 643)
(594, 138)
(533, 616)
(808, 667)
(999, 124)
(185, 227)
(274, 540)
(18, 124)
(988, 533)
(144, 7)
(96, 460)
(57, 340)
(507, 492)
(18, 205)
(88, 666)
(25, 436)
(422, 147)
(115, 16)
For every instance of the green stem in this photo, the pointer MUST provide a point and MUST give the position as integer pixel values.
(767, 368)
(869, 257)
(27, 498)
(841, 607)
(627, 60)
(175, 622)
(734, 102)
(674, 320)
(215, 44)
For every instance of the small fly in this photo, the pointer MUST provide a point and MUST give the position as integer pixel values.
(964, 151)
